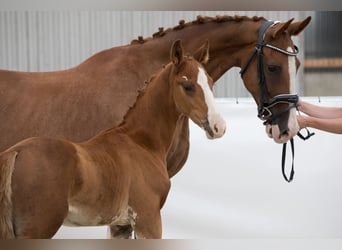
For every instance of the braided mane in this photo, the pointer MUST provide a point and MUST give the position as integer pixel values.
(200, 20)
(140, 93)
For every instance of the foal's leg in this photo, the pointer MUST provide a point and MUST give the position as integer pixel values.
(41, 184)
(149, 226)
(39, 210)
(38, 213)
(120, 232)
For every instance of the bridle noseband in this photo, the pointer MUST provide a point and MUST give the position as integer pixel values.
(265, 103)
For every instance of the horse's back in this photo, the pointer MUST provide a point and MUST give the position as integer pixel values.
(74, 104)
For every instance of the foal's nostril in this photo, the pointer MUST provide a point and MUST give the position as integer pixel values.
(215, 128)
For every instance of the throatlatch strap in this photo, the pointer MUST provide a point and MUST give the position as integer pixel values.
(283, 159)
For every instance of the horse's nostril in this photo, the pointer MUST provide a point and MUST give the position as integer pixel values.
(216, 129)
(284, 133)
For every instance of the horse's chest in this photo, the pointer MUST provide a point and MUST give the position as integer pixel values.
(78, 216)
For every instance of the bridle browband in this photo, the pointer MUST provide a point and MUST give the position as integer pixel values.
(265, 106)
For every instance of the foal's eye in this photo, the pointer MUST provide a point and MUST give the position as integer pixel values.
(273, 68)
(188, 87)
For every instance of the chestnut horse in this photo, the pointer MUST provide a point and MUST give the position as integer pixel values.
(116, 178)
(80, 102)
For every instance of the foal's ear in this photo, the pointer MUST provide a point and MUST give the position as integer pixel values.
(202, 54)
(297, 27)
(177, 52)
(280, 28)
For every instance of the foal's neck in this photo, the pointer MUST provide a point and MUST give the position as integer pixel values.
(152, 120)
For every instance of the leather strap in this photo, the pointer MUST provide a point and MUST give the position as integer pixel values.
(283, 159)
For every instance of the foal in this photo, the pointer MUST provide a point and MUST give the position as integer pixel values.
(118, 177)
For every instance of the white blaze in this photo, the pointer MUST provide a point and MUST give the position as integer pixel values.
(216, 122)
(292, 71)
(292, 122)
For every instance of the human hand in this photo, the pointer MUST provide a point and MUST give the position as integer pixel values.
(302, 121)
(299, 105)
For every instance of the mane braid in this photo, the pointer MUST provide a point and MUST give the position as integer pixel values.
(199, 20)
(141, 93)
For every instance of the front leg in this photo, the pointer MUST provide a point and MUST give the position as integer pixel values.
(124, 231)
(120, 232)
(147, 205)
(149, 226)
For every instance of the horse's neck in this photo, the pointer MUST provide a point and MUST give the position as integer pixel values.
(228, 41)
(152, 120)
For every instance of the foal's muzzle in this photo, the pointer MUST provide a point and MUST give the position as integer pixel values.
(215, 130)
(207, 128)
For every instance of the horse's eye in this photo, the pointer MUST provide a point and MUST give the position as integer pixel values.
(273, 68)
(188, 87)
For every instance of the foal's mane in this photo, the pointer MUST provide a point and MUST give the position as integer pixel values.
(142, 90)
(140, 93)
(199, 20)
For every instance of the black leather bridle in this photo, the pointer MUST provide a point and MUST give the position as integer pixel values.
(266, 103)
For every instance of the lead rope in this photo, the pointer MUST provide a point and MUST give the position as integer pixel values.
(283, 158)
(283, 161)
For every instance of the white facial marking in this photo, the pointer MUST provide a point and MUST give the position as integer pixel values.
(292, 71)
(273, 131)
(217, 123)
(208, 94)
(292, 123)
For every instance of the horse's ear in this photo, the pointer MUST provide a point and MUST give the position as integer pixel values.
(280, 28)
(297, 27)
(177, 52)
(202, 54)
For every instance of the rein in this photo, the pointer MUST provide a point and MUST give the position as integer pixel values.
(265, 106)
(283, 157)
